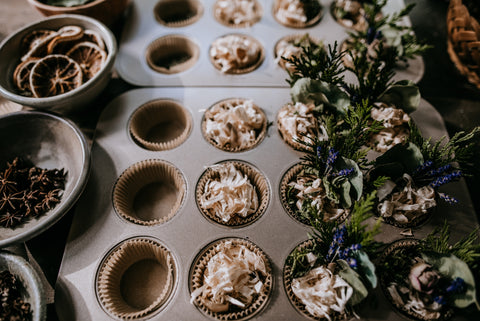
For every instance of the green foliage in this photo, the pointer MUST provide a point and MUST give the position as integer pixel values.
(317, 65)
(459, 149)
(360, 291)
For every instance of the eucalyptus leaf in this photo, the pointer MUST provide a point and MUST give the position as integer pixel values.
(366, 267)
(360, 292)
(330, 191)
(393, 37)
(66, 3)
(355, 179)
(404, 94)
(452, 267)
(345, 198)
(400, 159)
(320, 93)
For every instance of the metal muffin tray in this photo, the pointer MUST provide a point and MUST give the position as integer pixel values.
(142, 29)
(97, 228)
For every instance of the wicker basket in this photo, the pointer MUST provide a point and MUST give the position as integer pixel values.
(464, 41)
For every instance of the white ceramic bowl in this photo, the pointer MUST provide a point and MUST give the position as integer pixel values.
(10, 53)
(48, 141)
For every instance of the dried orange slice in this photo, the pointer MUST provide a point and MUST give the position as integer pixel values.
(39, 48)
(54, 75)
(65, 34)
(93, 36)
(89, 56)
(21, 75)
(34, 38)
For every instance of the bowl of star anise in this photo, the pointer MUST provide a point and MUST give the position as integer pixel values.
(61, 63)
(44, 166)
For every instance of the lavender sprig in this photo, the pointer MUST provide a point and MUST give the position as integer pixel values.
(445, 179)
(447, 198)
(344, 172)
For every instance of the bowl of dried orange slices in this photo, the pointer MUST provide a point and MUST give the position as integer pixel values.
(61, 63)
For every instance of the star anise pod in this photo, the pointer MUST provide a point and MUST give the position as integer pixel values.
(11, 219)
(10, 201)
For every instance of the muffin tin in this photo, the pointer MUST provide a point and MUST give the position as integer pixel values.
(146, 37)
(98, 229)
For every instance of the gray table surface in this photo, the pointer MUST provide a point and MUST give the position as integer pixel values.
(450, 93)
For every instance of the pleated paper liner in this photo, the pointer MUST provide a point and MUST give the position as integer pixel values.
(260, 134)
(256, 178)
(178, 13)
(290, 176)
(247, 68)
(136, 279)
(299, 25)
(359, 25)
(392, 251)
(160, 125)
(172, 54)
(149, 192)
(414, 221)
(196, 281)
(292, 39)
(464, 41)
(287, 137)
(296, 302)
(229, 22)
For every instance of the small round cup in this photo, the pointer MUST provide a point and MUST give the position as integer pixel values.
(178, 13)
(172, 54)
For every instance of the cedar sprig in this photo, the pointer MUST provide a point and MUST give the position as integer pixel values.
(459, 149)
(466, 249)
(317, 65)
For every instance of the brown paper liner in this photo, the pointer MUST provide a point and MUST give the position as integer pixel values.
(292, 39)
(231, 24)
(289, 176)
(297, 303)
(149, 192)
(287, 138)
(256, 178)
(246, 69)
(196, 281)
(160, 125)
(172, 54)
(131, 261)
(178, 13)
(260, 133)
(391, 251)
(299, 25)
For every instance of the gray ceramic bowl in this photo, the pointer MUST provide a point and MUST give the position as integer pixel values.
(10, 53)
(48, 141)
(32, 291)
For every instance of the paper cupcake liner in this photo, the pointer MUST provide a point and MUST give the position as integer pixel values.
(418, 221)
(256, 178)
(160, 125)
(178, 13)
(244, 24)
(118, 270)
(392, 250)
(360, 25)
(172, 54)
(298, 25)
(196, 281)
(287, 138)
(147, 182)
(246, 69)
(297, 303)
(260, 133)
(292, 39)
(289, 176)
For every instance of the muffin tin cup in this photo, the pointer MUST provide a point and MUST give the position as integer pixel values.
(97, 228)
(297, 303)
(289, 176)
(260, 133)
(136, 278)
(255, 177)
(160, 125)
(298, 25)
(197, 274)
(149, 192)
(292, 39)
(178, 13)
(172, 54)
(243, 24)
